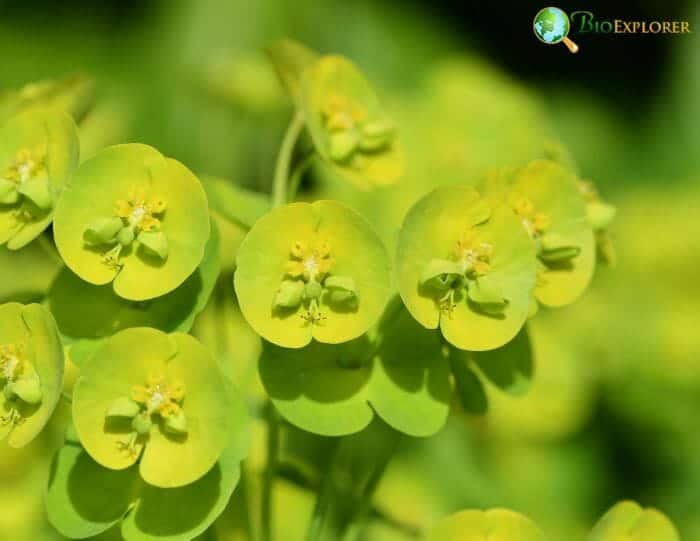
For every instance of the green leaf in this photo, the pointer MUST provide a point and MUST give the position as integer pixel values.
(123, 407)
(510, 367)
(290, 59)
(494, 524)
(154, 243)
(109, 176)
(85, 499)
(18, 285)
(103, 231)
(289, 294)
(627, 520)
(468, 386)
(410, 384)
(241, 206)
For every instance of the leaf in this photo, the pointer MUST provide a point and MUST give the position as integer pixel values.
(85, 499)
(244, 207)
(509, 367)
(290, 59)
(627, 520)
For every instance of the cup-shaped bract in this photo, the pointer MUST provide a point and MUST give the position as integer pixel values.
(628, 521)
(158, 397)
(313, 270)
(493, 524)
(31, 371)
(546, 197)
(349, 127)
(38, 153)
(464, 264)
(135, 218)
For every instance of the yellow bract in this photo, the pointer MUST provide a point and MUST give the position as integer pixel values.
(159, 396)
(535, 222)
(139, 211)
(312, 262)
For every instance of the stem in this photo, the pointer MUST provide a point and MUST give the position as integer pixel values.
(344, 503)
(284, 159)
(266, 533)
(299, 170)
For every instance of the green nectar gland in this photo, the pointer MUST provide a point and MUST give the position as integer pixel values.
(309, 279)
(462, 274)
(159, 399)
(25, 184)
(351, 134)
(19, 380)
(136, 218)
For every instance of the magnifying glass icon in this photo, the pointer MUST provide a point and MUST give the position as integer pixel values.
(551, 26)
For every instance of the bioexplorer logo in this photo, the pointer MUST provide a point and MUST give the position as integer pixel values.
(552, 25)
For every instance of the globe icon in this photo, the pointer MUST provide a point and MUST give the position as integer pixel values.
(551, 26)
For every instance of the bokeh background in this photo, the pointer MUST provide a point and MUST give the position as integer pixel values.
(614, 411)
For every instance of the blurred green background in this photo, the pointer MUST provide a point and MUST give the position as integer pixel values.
(615, 408)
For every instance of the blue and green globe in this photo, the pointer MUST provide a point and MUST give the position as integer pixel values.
(551, 25)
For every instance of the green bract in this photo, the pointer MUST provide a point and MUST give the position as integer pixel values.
(465, 264)
(135, 218)
(311, 271)
(156, 396)
(627, 521)
(399, 372)
(546, 197)
(31, 371)
(491, 525)
(38, 153)
(85, 499)
(349, 128)
(17, 282)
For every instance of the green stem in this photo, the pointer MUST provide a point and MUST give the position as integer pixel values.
(266, 533)
(284, 159)
(299, 171)
(344, 503)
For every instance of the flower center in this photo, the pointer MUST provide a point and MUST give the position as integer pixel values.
(20, 382)
(534, 222)
(309, 262)
(138, 212)
(473, 255)
(158, 396)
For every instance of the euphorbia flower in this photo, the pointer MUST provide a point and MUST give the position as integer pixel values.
(135, 218)
(155, 398)
(38, 153)
(465, 265)
(312, 271)
(31, 371)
